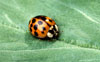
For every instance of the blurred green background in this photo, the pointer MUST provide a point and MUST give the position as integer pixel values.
(78, 22)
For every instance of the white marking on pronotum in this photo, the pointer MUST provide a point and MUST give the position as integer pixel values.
(51, 28)
(49, 35)
(56, 27)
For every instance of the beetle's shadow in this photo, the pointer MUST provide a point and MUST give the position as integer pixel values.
(35, 43)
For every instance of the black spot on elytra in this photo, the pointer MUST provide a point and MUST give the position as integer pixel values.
(35, 27)
(42, 32)
(44, 28)
(51, 31)
(50, 20)
(36, 34)
(49, 25)
(43, 18)
(40, 22)
(30, 29)
(31, 25)
(33, 21)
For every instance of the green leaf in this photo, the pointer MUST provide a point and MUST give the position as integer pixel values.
(70, 54)
(78, 22)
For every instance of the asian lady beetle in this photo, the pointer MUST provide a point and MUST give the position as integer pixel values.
(43, 27)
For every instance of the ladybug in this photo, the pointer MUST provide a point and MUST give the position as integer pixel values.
(43, 27)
